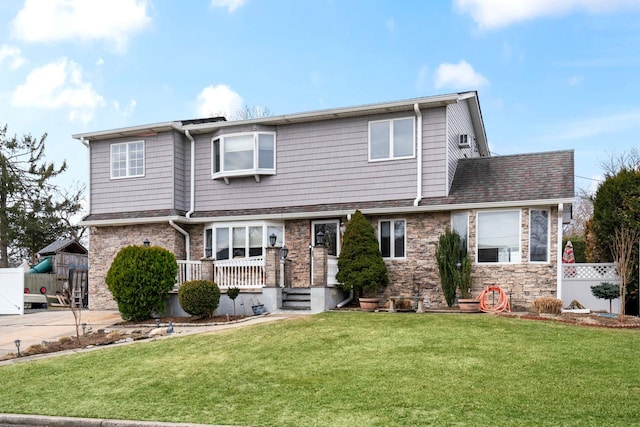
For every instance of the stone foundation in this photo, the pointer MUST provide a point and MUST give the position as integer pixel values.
(417, 274)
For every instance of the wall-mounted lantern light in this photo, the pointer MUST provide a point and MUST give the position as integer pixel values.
(319, 238)
(272, 239)
(146, 243)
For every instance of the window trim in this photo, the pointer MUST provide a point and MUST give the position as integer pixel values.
(255, 170)
(237, 224)
(392, 251)
(127, 171)
(391, 139)
(478, 214)
(548, 261)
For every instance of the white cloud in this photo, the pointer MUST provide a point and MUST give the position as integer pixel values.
(58, 85)
(12, 55)
(128, 110)
(45, 21)
(231, 5)
(100, 61)
(491, 14)
(458, 76)
(219, 100)
(391, 25)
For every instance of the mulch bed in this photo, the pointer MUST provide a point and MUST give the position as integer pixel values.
(590, 320)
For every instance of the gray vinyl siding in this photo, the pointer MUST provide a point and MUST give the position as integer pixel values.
(434, 152)
(155, 190)
(459, 123)
(181, 148)
(325, 162)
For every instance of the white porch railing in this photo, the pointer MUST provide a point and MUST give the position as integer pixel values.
(187, 271)
(332, 270)
(244, 273)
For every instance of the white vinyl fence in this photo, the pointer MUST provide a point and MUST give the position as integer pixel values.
(11, 291)
(577, 280)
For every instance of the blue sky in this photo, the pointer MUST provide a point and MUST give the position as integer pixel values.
(551, 74)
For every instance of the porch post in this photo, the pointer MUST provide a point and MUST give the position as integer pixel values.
(207, 268)
(320, 266)
(271, 266)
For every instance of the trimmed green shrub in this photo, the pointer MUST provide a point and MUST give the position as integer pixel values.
(360, 264)
(199, 297)
(606, 290)
(454, 266)
(140, 279)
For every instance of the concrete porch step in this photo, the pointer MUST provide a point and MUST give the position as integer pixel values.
(296, 299)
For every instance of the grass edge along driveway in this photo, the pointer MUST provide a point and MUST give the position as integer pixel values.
(350, 368)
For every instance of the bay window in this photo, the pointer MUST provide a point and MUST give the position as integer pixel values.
(243, 154)
(498, 236)
(241, 240)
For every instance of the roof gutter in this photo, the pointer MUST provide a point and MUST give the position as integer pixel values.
(330, 214)
(416, 202)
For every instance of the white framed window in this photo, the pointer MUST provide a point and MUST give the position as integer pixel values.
(393, 238)
(330, 235)
(498, 236)
(243, 154)
(127, 159)
(392, 139)
(240, 240)
(539, 235)
(460, 224)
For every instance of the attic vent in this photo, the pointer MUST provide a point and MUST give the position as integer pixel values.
(464, 141)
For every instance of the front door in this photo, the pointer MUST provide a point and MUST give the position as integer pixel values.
(331, 240)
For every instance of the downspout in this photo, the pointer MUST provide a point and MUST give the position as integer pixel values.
(416, 202)
(187, 240)
(559, 254)
(192, 204)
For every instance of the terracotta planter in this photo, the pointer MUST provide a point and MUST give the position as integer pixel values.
(368, 304)
(469, 305)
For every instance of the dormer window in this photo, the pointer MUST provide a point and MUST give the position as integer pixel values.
(244, 154)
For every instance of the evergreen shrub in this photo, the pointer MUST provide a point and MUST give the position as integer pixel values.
(199, 297)
(360, 264)
(140, 279)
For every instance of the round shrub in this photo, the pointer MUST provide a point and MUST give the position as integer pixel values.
(140, 279)
(199, 297)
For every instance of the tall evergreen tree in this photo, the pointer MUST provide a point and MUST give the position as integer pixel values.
(33, 210)
(360, 264)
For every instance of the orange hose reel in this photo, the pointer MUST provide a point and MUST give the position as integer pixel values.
(498, 307)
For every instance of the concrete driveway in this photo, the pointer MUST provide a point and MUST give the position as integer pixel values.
(49, 325)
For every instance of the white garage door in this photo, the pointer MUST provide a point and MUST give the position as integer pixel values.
(11, 291)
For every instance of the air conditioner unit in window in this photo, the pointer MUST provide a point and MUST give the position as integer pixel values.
(464, 141)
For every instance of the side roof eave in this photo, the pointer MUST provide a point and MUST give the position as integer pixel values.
(379, 108)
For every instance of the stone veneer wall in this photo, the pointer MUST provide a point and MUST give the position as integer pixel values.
(105, 242)
(298, 239)
(418, 273)
(526, 281)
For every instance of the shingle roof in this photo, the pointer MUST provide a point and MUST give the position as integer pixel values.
(534, 176)
(71, 245)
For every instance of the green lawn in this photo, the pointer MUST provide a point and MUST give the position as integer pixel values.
(350, 369)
